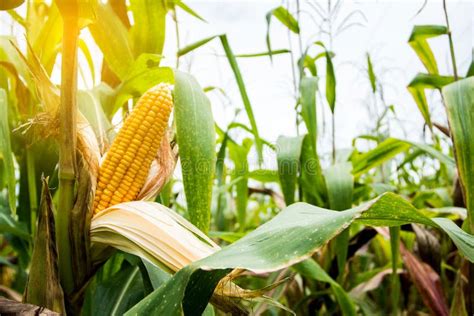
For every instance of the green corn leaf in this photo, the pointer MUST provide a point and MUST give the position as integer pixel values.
(114, 294)
(306, 228)
(188, 10)
(312, 270)
(238, 154)
(240, 83)
(308, 88)
(417, 89)
(418, 41)
(264, 175)
(46, 44)
(459, 98)
(243, 93)
(143, 74)
(330, 78)
(9, 225)
(282, 15)
(149, 28)
(115, 45)
(371, 73)
(288, 159)
(340, 187)
(262, 54)
(285, 17)
(7, 153)
(388, 149)
(189, 48)
(90, 107)
(311, 178)
(196, 140)
(87, 54)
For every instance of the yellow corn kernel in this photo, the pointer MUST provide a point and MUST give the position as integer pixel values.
(125, 168)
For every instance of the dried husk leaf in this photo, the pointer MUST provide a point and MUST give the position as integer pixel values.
(161, 170)
(151, 231)
(43, 287)
(8, 307)
(161, 236)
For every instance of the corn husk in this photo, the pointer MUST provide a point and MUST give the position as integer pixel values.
(150, 231)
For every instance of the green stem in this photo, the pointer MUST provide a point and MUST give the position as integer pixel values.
(31, 175)
(395, 282)
(451, 45)
(333, 129)
(176, 29)
(67, 149)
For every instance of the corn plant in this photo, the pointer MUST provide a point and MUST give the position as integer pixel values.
(94, 219)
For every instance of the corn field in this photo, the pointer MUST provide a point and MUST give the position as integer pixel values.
(123, 193)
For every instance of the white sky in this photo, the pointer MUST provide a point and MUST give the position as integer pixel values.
(270, 88)
(384, 36)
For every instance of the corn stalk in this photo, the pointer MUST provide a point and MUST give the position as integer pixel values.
(67, 146)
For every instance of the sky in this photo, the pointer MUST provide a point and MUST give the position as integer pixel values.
(381, 29)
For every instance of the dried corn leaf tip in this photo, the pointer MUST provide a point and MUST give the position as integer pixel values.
(127, 163)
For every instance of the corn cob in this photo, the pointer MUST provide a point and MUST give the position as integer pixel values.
(126, 166)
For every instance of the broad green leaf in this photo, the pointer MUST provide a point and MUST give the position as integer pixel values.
(305, 227)
(311, 180)
(243, 93)
(221, 179)
(7, 153)
(9, 225)
(340, 187)
(308, 87)
(8, 53)
(90, 107)
(149, 28)
(238, 154)
(388, 149)
(312, 270)
(418, 41)
(112, 38)
(46, 44)
(157, 276)
(116, 293)
(285, 18)
(459, 99)
(371, 73)
(417, 89)
(264, 175)
(330, 83)
(288, 159)
(240, 83)
(196, 140)
(229, 237)
(87, 54)
(330, 78)
(143, 74)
